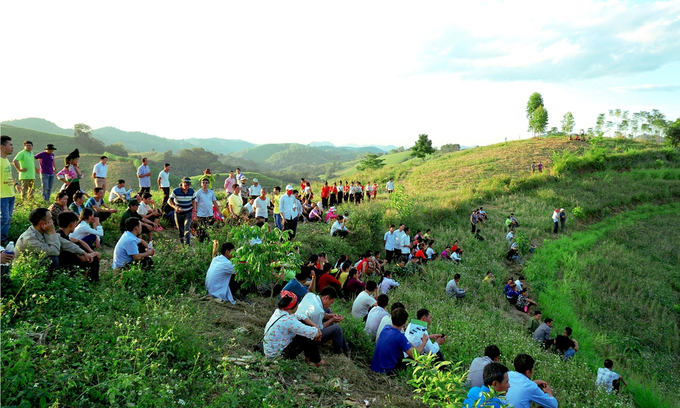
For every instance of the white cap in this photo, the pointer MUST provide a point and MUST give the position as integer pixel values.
(289, 187)
(255, 180)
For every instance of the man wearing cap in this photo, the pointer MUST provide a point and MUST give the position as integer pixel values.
(164, 184)
(289, 211)
(556, 220)
(25, 164)
(144, 176)
(99, 172)
(255, 189)
(183, 201)
(47, 169)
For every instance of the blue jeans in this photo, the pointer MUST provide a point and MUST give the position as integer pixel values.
(6, 210)
(47, 181)
(278, 222)
(569, 354)
(183, 222)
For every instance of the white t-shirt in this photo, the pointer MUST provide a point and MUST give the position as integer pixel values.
(255, 190)
(362, 304)
(100, 169)
(405, 241)
(390, 186)
(165, 178)
(386, 284)
(248, 208)
(261, 207)
(373, 320)
(112, 195)
(429, 252)
(144, 208)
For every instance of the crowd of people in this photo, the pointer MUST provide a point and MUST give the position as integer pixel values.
(69, 233)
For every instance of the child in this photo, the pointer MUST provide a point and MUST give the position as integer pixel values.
(386, 283)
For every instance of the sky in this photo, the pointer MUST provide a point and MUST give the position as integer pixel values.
(366, 73)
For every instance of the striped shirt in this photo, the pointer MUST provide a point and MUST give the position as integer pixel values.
(183, 200)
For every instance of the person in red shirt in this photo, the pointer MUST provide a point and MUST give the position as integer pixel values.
(325, 192)
(455, 247)
(420, 253)
(327, 279)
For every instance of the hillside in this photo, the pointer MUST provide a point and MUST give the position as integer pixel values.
(152, 338)
(285, 155)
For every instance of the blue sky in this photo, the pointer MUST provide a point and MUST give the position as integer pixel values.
(351, 72)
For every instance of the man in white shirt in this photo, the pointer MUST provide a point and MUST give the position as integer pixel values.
(206, 205)
(390, 186)
(388, 239)
(118, 194)
(316, 308)
(220, 273)
(418, 327)
(376, 315)
(255, 190)
(99, 173)
(164, 184)
(144, 176)
(405, 244)
(288, 208)
(365, 300)
(338, 228)
(261, 205)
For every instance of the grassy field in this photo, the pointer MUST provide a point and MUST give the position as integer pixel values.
(150, 339)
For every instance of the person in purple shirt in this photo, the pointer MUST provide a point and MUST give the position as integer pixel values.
(47, 170)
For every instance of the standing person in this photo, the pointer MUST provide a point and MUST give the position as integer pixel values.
(211, 178)
(255, 190)
(183, 201)
(7, 186)
(325, 194)
(73, 174)
(99, 172)
(388, 240)
(556, 220)
(340, 191)
(346, 189)
(533, 167)
(144, 176)
(369, 191)
(234, 205)
(473, 221)
(375, 190)
(288, 208)
(47, 169)
(405, 244)
(229, 183)
(390, 186)
(206, 205)
(276, 196)
(563, 219)
(261, 205)
(164, 184)
(333, 195)
(239, 175)
(25, 164)
(540, 167)
(523, 391)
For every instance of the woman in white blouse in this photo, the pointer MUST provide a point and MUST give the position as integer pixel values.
(88, 228)
(286, 334)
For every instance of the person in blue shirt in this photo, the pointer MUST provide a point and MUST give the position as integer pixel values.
(300, 286)
(523, 391)
(495, 377)
(392, 344)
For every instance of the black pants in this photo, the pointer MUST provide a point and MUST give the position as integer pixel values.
(143, 190)
(72, 189)
(291, 225)
(340, 233)
(70, 259)
(557, 225)
(332, 200)
(103, 216)
(166, 196)
(474, 227)
(389, 255)
(183, 222)
(324, 202)
(302, 344)
(203, 224)
(340, 197)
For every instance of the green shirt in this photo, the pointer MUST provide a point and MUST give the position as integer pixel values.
(7, 185)
(26, 161)
(532, 326)
(127, 214)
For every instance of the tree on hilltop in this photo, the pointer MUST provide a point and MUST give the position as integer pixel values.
(537, 115)
(85, 142)
(568, 123)
(423, 147)
(370, 161)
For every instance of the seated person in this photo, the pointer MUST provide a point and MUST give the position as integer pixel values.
(533, 324)
(386, 282)
(565, 345)
(513, 254)
(376, 315)
(131, 212)
(118, 194)
(452, 288)
(418, 327)
(316, 214)
(523, 302)
(78, 201)
(326, 279)
(365, 300)
(475, 376)
(88, 230)
(455, 247)
(338, 229)
(608, 379)
(523, 391)
(430, 252)
(96, 202)
(392, 344)
(305, 281)
(387, 320)
(401, 269)
(127, 250)
(446, 254)
(455, 256)
(414, 266)
(509, 223)
(59, 204)
(316, 308)
(495, 377)
(353, 286)
(479, 236)
(510, 294)
(543, 333)
(75, 252)
(220, 273)
(148, 211)
(41, 237)
(286, 334)
(489, 278)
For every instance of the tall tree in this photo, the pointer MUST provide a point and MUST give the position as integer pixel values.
(568, 122)
(423, 147)
(673, 133)
(370, 161)
(539, 120)
(599, 124)
(535, 100)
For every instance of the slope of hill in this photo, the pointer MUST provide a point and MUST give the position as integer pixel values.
(39, 124)
(63, 143)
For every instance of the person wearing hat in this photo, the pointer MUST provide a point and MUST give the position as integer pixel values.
(99, 172)
(47, 169)
(556, 220)
(71, 174)
(288, 208)
(25, 164)
(183, 201)
(255, 190)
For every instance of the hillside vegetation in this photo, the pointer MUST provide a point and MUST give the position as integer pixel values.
(147, 339)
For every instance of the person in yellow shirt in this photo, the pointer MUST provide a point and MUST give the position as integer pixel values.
(7, 185)
(234, 205)
(276, 195)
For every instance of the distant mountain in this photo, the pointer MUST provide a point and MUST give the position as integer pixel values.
(381, 147)
(317, 144)
(40, 125)
(293, 155)
(137, 141)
